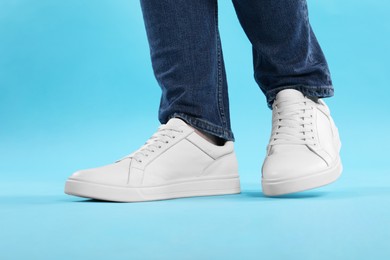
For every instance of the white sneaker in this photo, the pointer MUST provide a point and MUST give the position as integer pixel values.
(303, 151)
(175, 162)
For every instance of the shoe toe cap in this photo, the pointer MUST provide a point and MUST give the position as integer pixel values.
(112, 174)
(292, 165)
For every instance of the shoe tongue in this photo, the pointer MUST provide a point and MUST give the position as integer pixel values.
(289, 94)
(176, 122)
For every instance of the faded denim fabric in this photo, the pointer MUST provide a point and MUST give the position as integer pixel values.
(188, 64)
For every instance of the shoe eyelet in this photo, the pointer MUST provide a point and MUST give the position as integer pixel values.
(159, 146)
(166, 142)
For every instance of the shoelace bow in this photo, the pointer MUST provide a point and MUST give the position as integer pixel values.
(293, 122)
(162, 137)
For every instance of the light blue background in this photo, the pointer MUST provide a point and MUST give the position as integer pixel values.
(77, 91)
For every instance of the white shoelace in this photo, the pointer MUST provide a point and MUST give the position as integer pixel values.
(163, 136)
(292, 122)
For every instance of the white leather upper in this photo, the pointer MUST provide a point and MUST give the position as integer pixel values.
(174, 153)
(304, 138)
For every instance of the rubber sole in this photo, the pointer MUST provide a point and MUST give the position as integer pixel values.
(205, 187)
(312, 181)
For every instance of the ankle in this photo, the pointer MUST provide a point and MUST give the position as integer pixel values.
(210, 138)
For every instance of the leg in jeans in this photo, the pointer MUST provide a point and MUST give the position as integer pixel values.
(286, 53)
(177, 161)
(188, 63)
(291, 70)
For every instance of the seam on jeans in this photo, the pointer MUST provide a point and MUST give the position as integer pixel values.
(306, 12)
(219, 68)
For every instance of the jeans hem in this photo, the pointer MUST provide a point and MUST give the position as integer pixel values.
(205, 126)
(312, 91)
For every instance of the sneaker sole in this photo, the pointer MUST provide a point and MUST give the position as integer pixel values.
(129, 194)
(312, 181)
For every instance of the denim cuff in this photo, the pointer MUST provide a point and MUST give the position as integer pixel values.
(311, 91)
(205, 126)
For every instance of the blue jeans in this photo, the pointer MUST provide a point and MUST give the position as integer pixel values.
(188, 64)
